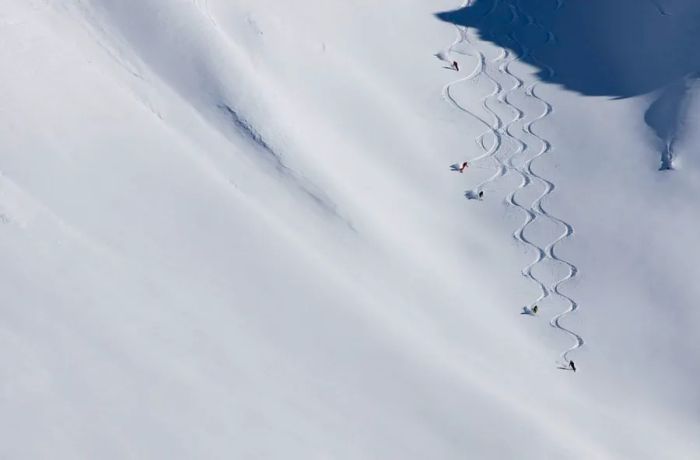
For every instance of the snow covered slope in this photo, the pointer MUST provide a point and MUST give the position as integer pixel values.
(230, 229)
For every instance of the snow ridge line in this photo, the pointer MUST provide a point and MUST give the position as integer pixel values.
(549, 187)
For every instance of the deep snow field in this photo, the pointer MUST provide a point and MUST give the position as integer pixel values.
(232, 229)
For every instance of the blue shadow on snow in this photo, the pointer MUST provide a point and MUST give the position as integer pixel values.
(614, 48)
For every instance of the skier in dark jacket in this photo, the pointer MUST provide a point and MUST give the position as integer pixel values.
(455, 66)
(572, 366)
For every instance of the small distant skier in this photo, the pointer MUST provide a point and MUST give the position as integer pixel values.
(572, 366)
(463, 166)
(534, 309)
(455, 66)
(481, 194)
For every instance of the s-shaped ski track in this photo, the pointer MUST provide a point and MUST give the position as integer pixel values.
(493, 127)
(500, 131)
(549, 187)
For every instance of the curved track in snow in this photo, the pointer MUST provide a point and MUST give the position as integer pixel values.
(503, 133)
(493, 126)
(549, 187)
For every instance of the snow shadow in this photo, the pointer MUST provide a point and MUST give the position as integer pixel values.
(473, 195)
(614, 48)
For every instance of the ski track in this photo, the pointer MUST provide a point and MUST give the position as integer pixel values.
(502, 131)
(493, 127)
(549, 187)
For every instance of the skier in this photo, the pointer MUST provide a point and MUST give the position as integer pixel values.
(572, 366)
(534, 309)
(463, 166)
(455, 66)
(481, 194)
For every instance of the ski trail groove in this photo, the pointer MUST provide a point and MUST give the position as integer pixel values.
(495, 125)
(530, 215)
(502, 133)
(520, 147)
(525, 180)
(549, 187)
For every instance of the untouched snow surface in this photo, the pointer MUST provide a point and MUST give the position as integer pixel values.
(230, 229)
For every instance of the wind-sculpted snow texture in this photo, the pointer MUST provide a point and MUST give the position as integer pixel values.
(523, 145)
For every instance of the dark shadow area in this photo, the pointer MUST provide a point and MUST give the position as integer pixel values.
(614, 48)
(474, 195)
(617, 48)
(665, 116)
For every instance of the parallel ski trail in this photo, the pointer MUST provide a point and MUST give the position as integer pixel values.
(549, 187)
(525, 180)
(502, 132)
(493, 126)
